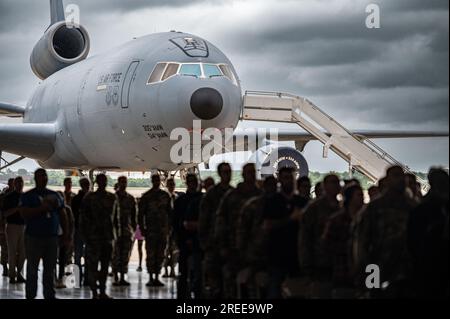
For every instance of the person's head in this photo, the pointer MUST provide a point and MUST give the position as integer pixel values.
(102, 181)
(383, 185)
(208, 183)
(270, 185)
(331, 185)
(68, 184)
(439, 182)
(318, 189)
(191, 183)
(41, 178)
(11, 183)
(170, 184)
(18, 184)
(351, 181)
(224, 171)
(249, 173)
(286, 179)
(411, 182)
(156, 181)
(122, 183)
(85, 184)
(304, 186)
(374, 191)
(396, 179)
(353, 197)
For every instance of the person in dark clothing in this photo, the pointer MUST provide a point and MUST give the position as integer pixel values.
(15, 236)
(44, 212)
(185, 226)
(428, 238)
(79, 245)
(281, 219)
(338, 238)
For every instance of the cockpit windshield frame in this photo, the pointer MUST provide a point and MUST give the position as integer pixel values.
(224, 70)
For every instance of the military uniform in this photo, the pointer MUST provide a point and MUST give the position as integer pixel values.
(252, 242)
(212, 273)
(97, 231)
(315, 261)
(338, 236)
(126, 223)
(3, 242)
(171, 252)
(227, 221)
(382, 239)
(154, 209)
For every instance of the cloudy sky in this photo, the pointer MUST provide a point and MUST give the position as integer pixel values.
(395, 77)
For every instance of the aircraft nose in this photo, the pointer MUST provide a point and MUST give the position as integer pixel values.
(206, 103)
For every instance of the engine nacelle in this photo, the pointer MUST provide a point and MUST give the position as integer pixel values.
(59, 47)
(270, 159)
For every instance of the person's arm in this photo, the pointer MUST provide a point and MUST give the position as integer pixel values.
(221, 229)
(133, 214)
(245, 226)
(84, 218)
(142, 208)
(29, 212)
(204, 219)
(9, 208)
(64, 221)
(306, 244)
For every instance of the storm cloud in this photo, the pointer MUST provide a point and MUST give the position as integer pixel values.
(395, 77)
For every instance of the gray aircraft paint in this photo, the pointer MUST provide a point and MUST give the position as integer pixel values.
(93, 129)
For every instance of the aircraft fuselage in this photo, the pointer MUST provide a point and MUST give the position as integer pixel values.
(108, 116)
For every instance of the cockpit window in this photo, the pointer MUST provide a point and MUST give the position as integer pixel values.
(157, 73)
(228, 73)
(191, 69)
(171, 70)
(165, 70)
(211, 70)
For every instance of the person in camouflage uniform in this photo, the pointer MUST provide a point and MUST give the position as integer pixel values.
(428, 234)
(338, 237)
(227, 221)
(171, 253)
(382, 238)
(3, 242)
(97, 221)
(314, 260)
(251, 238)
(212, 273)
(154, 209)
(125, 227)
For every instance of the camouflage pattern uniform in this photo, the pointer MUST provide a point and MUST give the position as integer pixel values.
(97, 221)
(171, 252)
(382, 239)
(154, 209)
(227, 220)
(126, 224)
(3, 242)
(315, 261)
(252, 241)
(212, 273)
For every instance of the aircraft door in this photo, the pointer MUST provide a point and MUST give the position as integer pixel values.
(126, 87)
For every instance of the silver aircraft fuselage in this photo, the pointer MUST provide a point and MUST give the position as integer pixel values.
(107, 115)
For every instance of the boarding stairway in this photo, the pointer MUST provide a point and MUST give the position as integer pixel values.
(362, 154)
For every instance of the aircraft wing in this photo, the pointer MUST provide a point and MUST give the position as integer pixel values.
(11, 110)
(26, 139)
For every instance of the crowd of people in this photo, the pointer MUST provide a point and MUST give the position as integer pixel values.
(265, 239)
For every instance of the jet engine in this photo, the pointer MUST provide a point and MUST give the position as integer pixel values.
(60, 46)
(271, 158)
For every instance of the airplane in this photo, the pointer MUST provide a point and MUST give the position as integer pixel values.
(116, 111)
